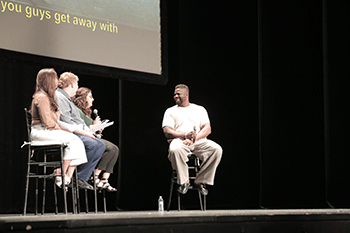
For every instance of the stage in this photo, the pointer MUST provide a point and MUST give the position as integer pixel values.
(247, 221)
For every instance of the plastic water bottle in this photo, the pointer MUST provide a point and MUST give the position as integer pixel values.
(160, 204)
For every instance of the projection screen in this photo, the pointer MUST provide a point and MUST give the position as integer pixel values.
(123, 34)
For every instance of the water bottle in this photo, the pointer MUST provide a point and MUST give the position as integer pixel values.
(160, 204)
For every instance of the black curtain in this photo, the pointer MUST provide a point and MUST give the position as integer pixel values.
(291, 104)
(275, 84)
(17, 86)
(337, 71)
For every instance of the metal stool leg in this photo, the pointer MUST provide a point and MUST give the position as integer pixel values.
(171, 190)
(44, 186)
(95, 193)
(77, 190)
(205, 203)
(63, 183)
(86, 202)
(44, 195)
(55, 196)
(74, 196)
(104, 201)
(178, 201)
(36, 195)
(36, 189)
(200, 200)
(27, 186)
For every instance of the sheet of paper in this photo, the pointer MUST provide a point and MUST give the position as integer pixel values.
(103, 125)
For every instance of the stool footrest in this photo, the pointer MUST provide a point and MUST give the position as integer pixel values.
(47, 164)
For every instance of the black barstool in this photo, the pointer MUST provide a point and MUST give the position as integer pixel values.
(43, 156)
(193, 168)
(95, 196)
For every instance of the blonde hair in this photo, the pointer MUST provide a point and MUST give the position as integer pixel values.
(66, 79)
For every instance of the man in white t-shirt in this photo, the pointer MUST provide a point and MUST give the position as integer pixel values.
(186, 126)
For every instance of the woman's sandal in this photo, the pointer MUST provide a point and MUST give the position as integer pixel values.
(105, 185)
(58, 179)
(97, 180)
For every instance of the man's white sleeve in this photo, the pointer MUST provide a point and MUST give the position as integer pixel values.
(204, 116)
(168, 120)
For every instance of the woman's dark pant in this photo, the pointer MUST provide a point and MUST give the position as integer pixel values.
(109, 157)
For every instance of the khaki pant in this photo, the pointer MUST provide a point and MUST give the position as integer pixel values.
(206, 150)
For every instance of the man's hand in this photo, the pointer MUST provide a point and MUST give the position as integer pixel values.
(170, 133)
(188, 142)
(67, 130)
(191, 136)
(90, 135)
(85, 133)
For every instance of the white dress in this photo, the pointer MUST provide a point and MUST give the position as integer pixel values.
(45, 130)
(75, 150)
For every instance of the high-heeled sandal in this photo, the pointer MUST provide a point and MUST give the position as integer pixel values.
(58, 179)
(97, 180)
(105, 185)
(67, 180)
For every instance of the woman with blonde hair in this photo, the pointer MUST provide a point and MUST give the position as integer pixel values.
(45, 125)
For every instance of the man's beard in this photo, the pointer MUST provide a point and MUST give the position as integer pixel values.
(178, 102)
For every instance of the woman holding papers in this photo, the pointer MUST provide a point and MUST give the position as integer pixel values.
(83, 100)
(45, 128)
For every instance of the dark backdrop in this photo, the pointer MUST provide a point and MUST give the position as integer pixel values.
(273, 77)
(292, 127)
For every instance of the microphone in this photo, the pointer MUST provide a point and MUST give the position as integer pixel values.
(95, 113)
(195, 129)
(98, 133)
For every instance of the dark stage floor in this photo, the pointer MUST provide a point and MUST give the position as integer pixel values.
(292, 220)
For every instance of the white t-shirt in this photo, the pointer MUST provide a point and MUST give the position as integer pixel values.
(185, 119)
